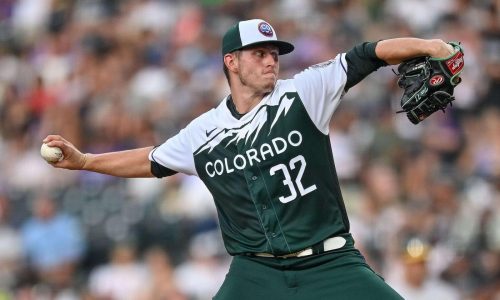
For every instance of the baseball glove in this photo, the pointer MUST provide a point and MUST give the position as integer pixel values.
(428, 83)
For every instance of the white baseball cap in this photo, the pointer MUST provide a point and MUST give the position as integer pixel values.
(252, 32)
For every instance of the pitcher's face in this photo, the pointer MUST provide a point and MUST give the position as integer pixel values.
(258, 67)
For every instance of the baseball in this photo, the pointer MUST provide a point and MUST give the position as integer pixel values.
(51, 154)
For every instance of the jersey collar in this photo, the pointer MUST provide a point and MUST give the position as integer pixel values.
(232, 108)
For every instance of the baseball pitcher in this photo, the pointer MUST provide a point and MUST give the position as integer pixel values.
(265, 155)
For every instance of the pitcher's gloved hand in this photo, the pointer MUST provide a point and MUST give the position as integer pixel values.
(429, 83)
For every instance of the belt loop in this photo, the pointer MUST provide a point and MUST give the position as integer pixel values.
(318, 248)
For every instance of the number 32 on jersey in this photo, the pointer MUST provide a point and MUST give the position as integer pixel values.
(300, 162)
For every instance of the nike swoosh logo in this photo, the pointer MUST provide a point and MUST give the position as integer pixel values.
(209, 132)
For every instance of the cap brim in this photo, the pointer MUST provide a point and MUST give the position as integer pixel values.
(283, 47)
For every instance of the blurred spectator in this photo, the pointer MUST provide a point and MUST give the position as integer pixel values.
(53, 241)
(346, 150)
(415, 282)
(192, 200)
(202, 274)
(379, 216)
(413, 10)
(29, 16)
(11, 251)
(122, 278)
(160, 282)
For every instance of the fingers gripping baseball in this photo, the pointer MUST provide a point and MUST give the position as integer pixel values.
(72, 158)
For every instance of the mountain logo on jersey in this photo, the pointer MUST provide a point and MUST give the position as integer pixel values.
(249, 129)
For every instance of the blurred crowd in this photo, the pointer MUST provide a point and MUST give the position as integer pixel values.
(109, 75)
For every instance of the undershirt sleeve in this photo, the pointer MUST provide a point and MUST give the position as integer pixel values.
(361, 61)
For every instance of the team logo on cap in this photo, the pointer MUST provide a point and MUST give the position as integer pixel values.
(265, 29)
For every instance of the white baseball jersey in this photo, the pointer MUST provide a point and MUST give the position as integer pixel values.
(271, 172)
